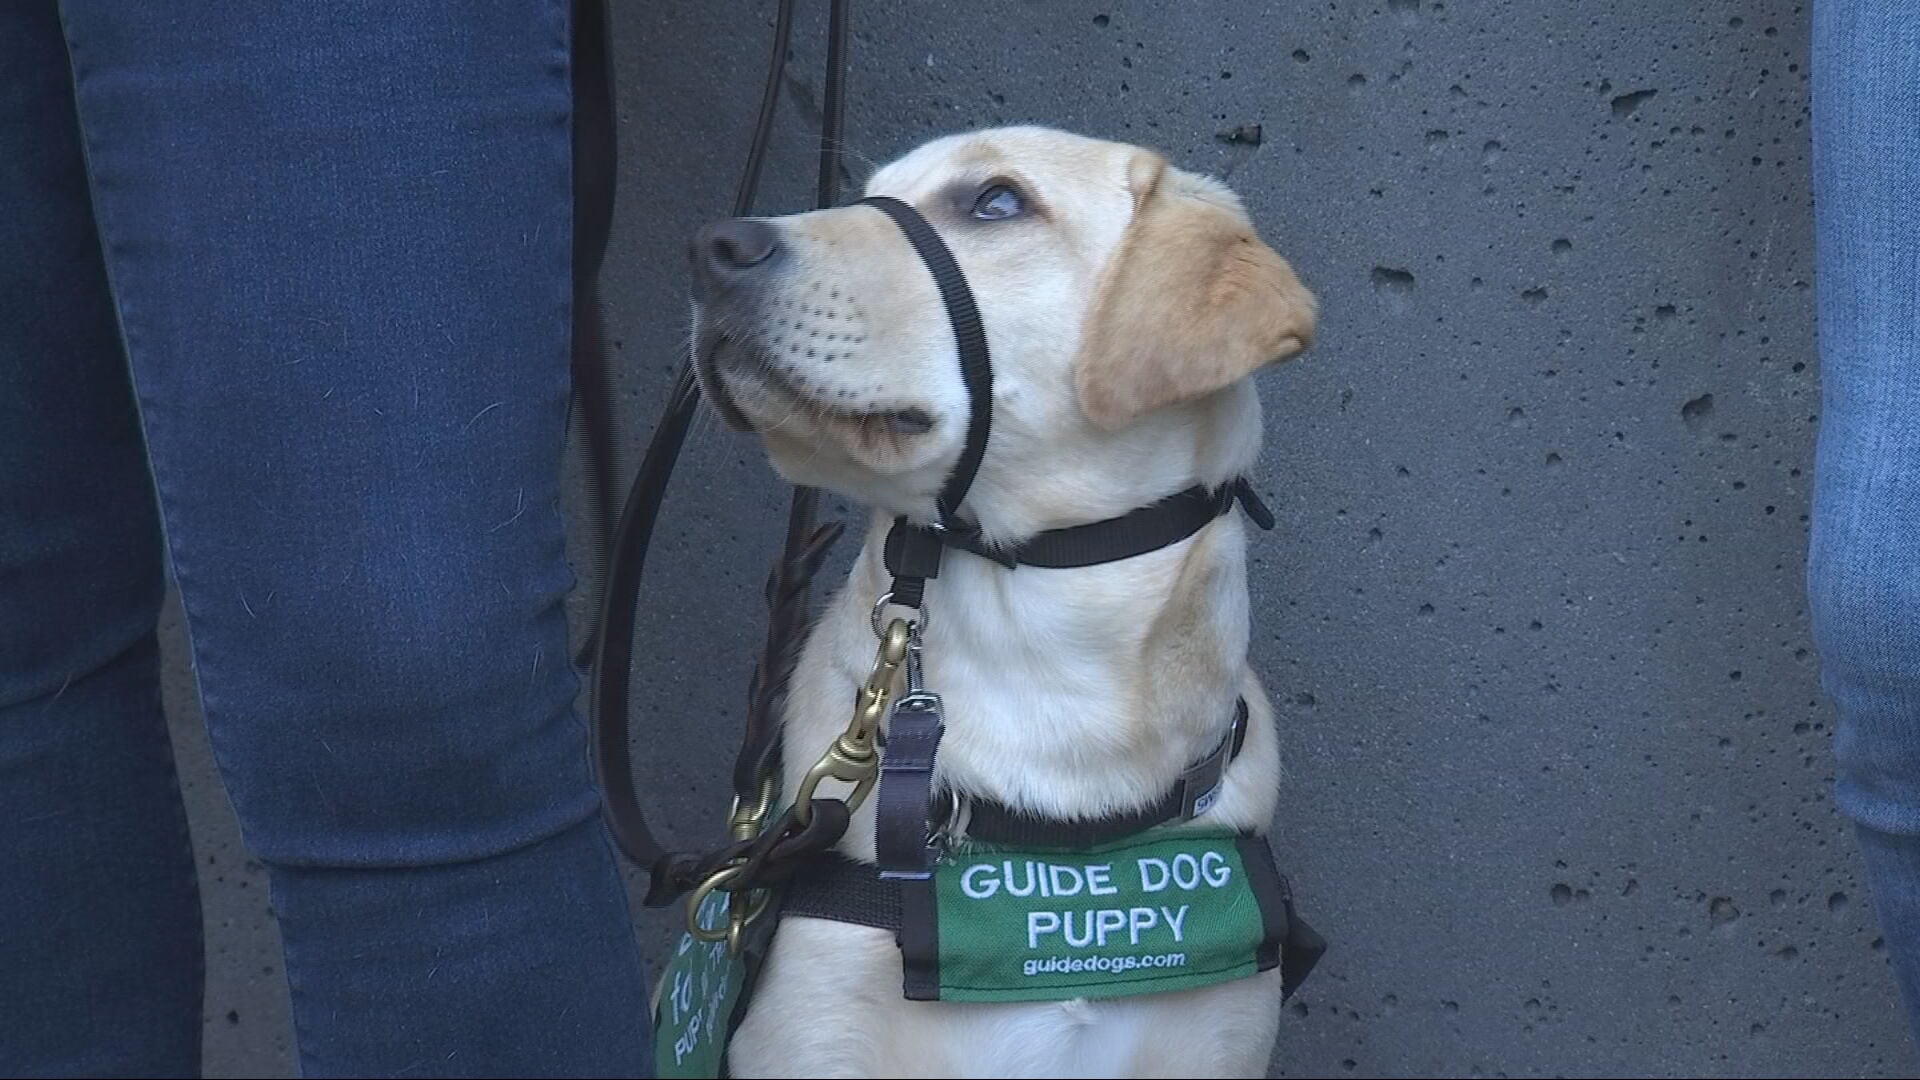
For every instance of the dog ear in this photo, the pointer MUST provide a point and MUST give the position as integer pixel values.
(1192, 302)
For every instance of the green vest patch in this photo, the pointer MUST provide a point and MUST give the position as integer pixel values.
(1169, 909)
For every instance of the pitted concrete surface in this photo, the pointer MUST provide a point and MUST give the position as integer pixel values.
(1559, 773)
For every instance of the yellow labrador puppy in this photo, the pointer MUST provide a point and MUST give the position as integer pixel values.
(1126, 302)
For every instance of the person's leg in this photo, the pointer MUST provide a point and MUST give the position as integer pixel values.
(100, 957)
(1864, 573)
(339, 241)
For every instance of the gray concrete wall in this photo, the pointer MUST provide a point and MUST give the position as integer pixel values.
(1559, 768)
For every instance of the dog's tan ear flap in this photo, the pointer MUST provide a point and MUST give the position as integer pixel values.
(1192, 302)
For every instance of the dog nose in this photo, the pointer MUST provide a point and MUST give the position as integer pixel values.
(726, 249)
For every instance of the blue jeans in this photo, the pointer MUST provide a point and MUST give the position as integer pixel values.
(284, 300)
(1864, 573)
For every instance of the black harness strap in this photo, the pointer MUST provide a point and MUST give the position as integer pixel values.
(992, 822)
(902, 827)
(838, 889)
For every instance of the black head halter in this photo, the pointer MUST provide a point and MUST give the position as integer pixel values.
(913, 552)
(921, 545)
(969, 337)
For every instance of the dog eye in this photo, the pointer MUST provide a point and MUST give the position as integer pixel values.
(997, 202)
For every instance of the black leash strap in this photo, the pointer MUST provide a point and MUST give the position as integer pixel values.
(595, 179)
(773, 855)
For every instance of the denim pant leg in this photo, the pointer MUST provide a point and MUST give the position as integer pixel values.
(1864, 573)
(100, 955)
(339, 239)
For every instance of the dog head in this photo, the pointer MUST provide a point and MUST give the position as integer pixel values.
(1125, 302)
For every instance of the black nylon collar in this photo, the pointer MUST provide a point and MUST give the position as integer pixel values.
(1136, 532)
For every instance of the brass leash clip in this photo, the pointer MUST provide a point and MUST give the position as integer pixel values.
(744, 823)
(852, 758)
